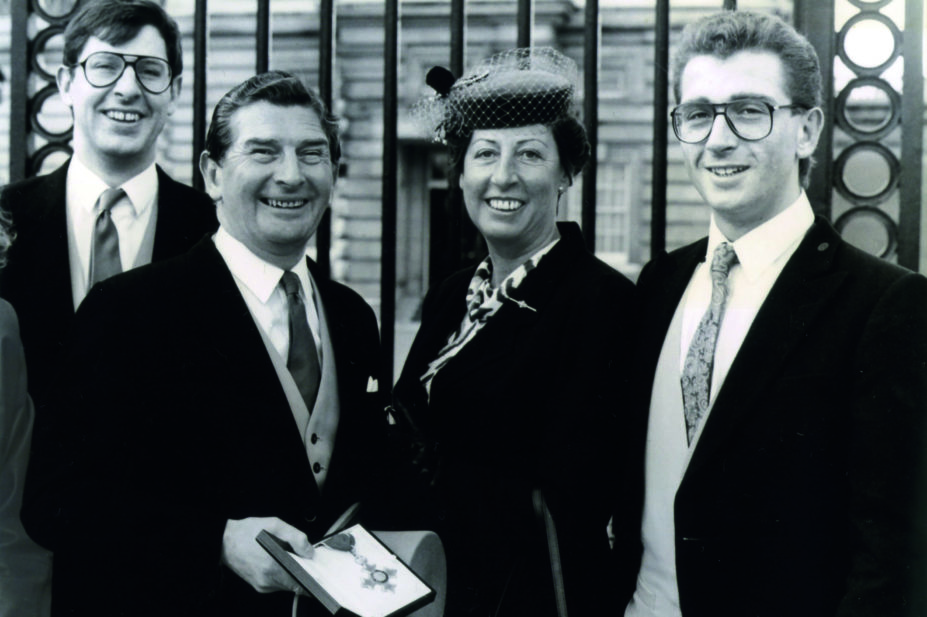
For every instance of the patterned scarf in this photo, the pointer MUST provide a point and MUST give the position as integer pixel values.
(483, 301)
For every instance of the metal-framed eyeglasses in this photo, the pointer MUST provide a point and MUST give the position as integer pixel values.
(104, 68)
(749, 119)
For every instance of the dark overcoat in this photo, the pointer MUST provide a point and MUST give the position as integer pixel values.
(536, 400)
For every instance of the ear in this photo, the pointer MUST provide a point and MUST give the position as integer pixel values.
(175, 94)
(65, 77)
(809, 132)
(212, 176)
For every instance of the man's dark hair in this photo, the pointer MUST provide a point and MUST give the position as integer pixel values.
(726, 33)
(277, 88)
(119, 21)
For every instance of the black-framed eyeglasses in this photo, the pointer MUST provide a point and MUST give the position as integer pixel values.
(104, 68)
(749, 119)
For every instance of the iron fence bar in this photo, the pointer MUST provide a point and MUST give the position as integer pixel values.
(454, 199)
(912, 149)
(524, 19)
(200, 37)
(262, 37)
(660, 105)
(388, 217)
(815, 18)
(323, 235)
(591, 115)
(19, 90)
(458, 36)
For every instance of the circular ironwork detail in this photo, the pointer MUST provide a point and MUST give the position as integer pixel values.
(894, 172)
(38, 44)
(872, 4)
(883, 219)
(36, 107)
(54, 19)
(36, 160)
(896, 40)
(894, 108)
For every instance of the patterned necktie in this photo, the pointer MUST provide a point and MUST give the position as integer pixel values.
(303, 358)
(696, 373)
(104, 253)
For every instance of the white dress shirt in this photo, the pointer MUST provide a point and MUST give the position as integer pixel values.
(134, 216)
(762, 254)
(259, 283)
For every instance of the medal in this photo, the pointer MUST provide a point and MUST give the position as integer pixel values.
(375, 576)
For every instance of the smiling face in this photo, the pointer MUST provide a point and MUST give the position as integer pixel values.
(510, 183)
(746, 183)
(116, 127)
(275, 181)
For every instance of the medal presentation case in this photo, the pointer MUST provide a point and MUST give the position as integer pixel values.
(353, 574)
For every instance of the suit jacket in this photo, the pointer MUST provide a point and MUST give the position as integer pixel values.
(533, 401)
(173, 422)
(37, 278)
(805, 492)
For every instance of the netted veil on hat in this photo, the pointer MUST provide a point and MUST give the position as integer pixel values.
(517, 87)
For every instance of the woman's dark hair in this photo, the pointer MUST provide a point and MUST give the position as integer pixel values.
(275, 87)
(569, 135)
(117, 22)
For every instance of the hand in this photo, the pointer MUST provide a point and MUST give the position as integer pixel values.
(246, 558)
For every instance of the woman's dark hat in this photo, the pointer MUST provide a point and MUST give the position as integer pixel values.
(518, 87)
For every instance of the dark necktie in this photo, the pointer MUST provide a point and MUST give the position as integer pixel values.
(104, 253)
(696, 373)
(303, 358)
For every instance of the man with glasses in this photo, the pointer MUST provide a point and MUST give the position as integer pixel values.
(785, 369)
(109, 208)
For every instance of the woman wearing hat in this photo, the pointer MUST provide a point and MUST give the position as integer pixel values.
(516, 380)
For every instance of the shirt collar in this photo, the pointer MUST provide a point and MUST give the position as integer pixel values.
(86, 186)
(759, 248)
(260, 277)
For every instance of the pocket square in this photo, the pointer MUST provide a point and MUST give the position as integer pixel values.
(372, 385)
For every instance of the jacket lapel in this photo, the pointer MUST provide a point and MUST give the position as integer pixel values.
(170, 220)
(228, 328)
(48, 232)
(795, 301)
(662, 286)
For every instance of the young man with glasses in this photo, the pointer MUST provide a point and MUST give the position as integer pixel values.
(109, 208)
(785, 369)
